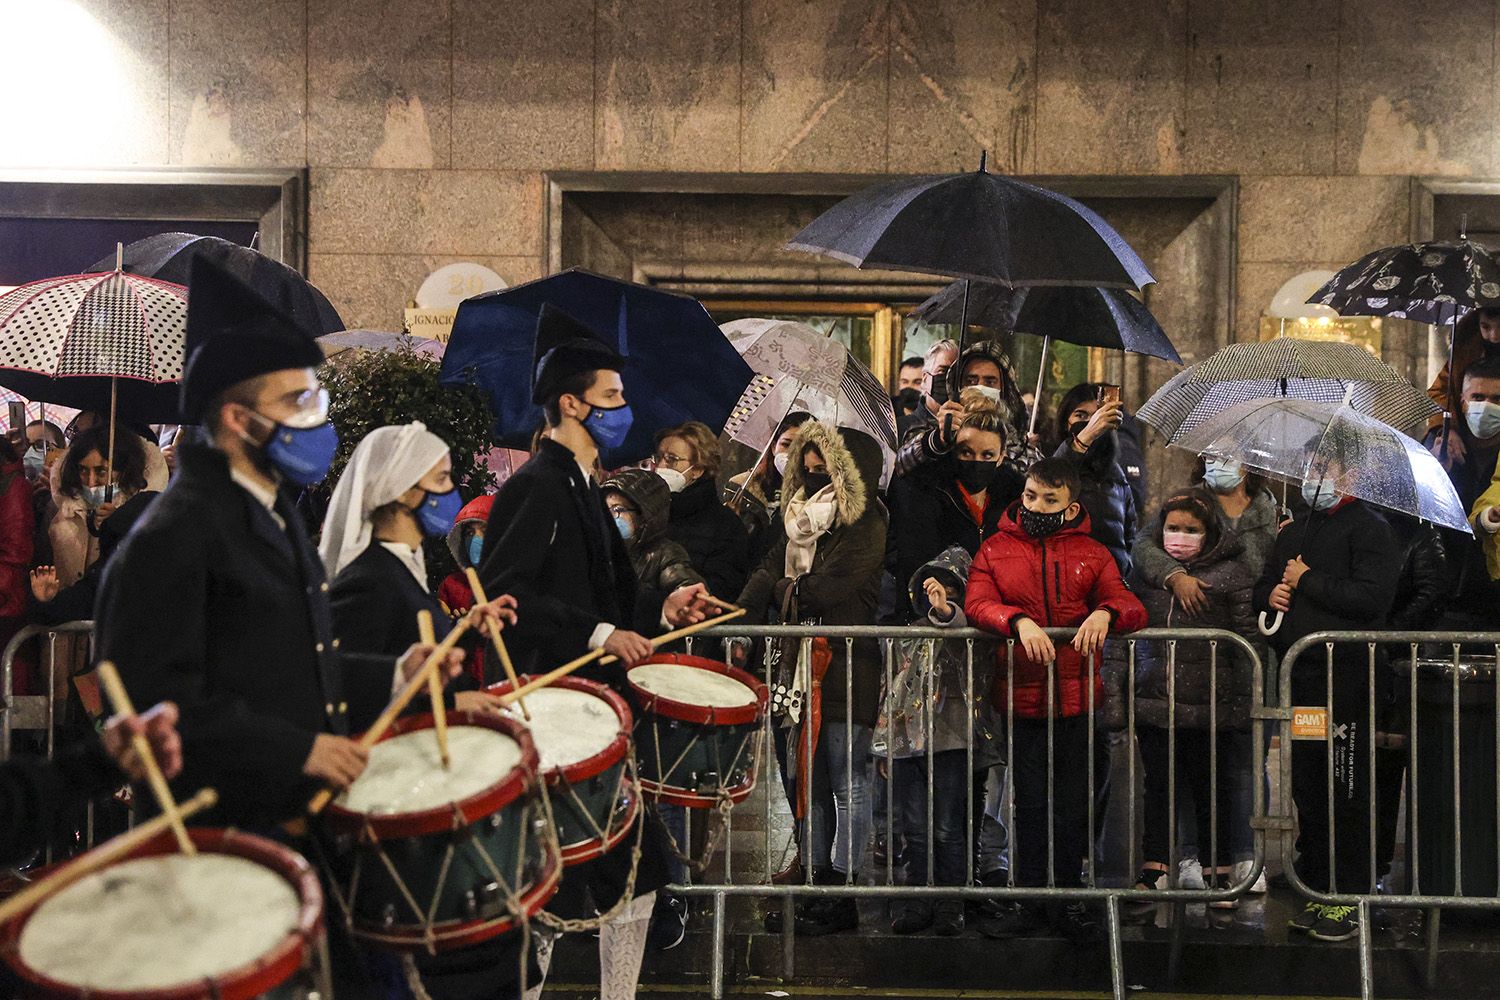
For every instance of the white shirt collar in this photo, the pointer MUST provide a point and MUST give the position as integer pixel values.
(413, 559)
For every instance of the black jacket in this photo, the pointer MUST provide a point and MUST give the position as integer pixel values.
(1423, 587)
(715, 538)
(928, 514)
(1107, 496)
(36, 796)
(211, 604)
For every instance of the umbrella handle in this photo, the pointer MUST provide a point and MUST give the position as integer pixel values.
(1273, 628)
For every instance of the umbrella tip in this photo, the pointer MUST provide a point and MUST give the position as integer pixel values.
(119, 256)
(1463, 227)
(983, 156)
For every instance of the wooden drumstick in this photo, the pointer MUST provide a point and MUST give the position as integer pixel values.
(684, 632)
(398, 704)
(120, 700)
(711, 599)
(100, 856)
(427, 637)
(494, 634)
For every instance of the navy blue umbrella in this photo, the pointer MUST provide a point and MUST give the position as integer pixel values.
(679, 365)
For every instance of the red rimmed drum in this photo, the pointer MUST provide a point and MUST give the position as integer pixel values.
(582, 735)
(697, 729)
(433, 858)
(242, 918)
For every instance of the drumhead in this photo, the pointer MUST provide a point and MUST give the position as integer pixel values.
(691, 685)
(406, 775)
(158, 922)
(568, 725)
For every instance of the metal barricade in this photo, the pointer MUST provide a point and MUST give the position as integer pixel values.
(842, 640)
(1331, 684)
(33, 712)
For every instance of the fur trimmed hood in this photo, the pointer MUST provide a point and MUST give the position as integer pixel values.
(854, 462)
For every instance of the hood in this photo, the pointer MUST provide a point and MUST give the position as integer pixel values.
(1010, 524)
(1228, 546)
(951, 566)
(854, 461)
(991, 351)
(474, 514)
(651, 496)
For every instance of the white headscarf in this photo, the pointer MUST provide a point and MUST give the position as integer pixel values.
(387, 463)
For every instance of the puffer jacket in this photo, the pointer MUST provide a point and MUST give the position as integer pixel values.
(1055, 581)
(1255, 530)
(843, 585)
(1106, 495)
(1230, 588)
(660, 564)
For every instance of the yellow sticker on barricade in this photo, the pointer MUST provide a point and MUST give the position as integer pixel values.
(1310, 723)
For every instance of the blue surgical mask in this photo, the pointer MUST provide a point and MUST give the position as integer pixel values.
(1222, 475)
(1483, 419)
(627, 530)
(302, 455)
(35, 461)
(437, 512)
(609, 427)
(95, 496)
(1320, 494)
(476, 546)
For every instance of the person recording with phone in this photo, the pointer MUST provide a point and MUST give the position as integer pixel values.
(1088, 422)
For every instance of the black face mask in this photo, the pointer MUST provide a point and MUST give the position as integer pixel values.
(1076, 427)
(977, 476)
(815, 481)
(1039, 525)
(908, 400)
(939, 391)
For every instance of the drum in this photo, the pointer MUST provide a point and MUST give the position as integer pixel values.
(697, 729)
(582, 735)
(423, 857)
(242, 918)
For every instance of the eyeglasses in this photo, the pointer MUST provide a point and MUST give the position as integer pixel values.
(616, 510)
(670, 460)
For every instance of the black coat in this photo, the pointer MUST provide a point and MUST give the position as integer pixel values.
(928, 514)
(1107, 496)
(36, 796)
(715, 538)
(211, 604)
(1426, 576)
(375, 601)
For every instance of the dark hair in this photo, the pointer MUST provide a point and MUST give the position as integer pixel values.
(53, 433)
(1080, 393)
(243, 393)
(8, 453)
(1484, 367)
(1490, 312)
(1200, 505)
(912, 362)
(1058, 473)
(130, 460)
(575, 384)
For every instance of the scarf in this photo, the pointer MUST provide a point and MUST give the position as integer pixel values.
(807, 519)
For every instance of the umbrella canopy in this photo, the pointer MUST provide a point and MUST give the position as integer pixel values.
(169, 257)
(1425, 282)
(975, 225)
(679, 367)
(1294, 440)
(1091, 317)
(1316, 370)
(334, 344)
(72, 339)
(799, 369)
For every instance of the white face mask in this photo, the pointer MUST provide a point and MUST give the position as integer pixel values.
(676, 481)
(779, 461)
(990, 392)
(1483, 418)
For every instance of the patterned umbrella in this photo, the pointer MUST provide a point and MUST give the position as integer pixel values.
(798, 368)
(1316, 370)
(1425, 282)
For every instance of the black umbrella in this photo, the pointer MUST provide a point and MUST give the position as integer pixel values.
(978, 226)
(1089, 317)
(169, 257)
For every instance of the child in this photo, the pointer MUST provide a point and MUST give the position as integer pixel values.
(1189, 532)
(1042, 570)
(465, 539)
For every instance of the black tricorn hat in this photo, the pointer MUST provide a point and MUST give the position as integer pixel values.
(234, 334)
(565, 347)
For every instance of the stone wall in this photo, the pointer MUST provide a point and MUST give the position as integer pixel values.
(428, 125)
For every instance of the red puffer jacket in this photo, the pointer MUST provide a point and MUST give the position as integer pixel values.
(1055, 581)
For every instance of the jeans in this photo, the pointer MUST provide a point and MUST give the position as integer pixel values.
(1070, 801)
(949, 804)
(675, 819)
(841, 819)
(1193, 785)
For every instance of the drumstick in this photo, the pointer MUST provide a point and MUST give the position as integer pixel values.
(494, 633)
(398, 704)
(435, 689)
(684, 632)
(120, 700)
(100, 856)
(711, 599)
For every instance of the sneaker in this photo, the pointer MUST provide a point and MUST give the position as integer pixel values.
(1078, 921)
(1339, 923)
(1242, 872)
(1307, 919)
(912, 917)
(668, 922)
(1013, 919)
(948, 918)
(1190, 874)
(1148, 879)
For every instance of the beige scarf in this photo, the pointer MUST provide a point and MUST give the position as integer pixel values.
(807, 519)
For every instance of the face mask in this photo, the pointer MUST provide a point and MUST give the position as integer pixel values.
(1483, 419)
(627, 530)
(778, 461)
(676, 481)
(1039, 525)
(476, 546)
(1319, 493)
(609, 427)
(908, 399)
(302, 455)
(939, 391)
(1181, 545)
(1222, 475)
(94, 496)
(438, 511)
(976, 477)
(35, 461)
(816, 482)
(1076, 427)
(990, 392)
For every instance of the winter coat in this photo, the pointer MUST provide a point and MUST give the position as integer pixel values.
(928, 514)
(1106, 495)
(1230, 588)
(660, 564)
(1055, 581)
(715, 539)
(843, 585)
(18, 520)
(1254, 531)
(1426, 574)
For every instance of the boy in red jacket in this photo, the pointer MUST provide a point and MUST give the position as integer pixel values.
(1041, 570)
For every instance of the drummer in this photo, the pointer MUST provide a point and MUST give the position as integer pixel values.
(549, 542)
